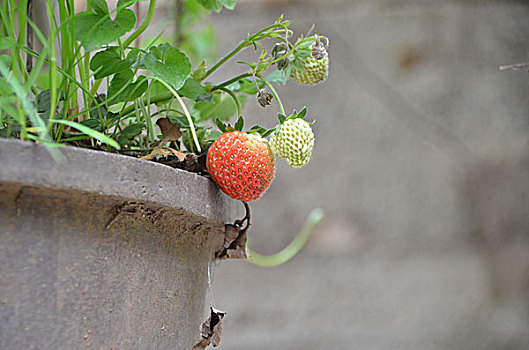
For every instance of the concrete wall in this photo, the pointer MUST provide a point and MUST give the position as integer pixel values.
(422, 165)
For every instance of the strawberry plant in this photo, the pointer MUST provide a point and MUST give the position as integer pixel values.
(94, 84)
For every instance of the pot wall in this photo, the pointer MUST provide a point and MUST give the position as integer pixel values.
(88, 269)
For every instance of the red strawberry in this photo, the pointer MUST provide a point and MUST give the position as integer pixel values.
(241, 164)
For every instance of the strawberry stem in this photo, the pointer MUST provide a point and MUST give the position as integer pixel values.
(143, 26)
(267, 32)
(274, 92)
(235, 99)
(231, 81)
(186, 112)
(314, 218)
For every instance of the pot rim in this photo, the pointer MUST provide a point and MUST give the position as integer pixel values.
(110, 174)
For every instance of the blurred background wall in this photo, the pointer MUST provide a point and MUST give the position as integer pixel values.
(422, 166)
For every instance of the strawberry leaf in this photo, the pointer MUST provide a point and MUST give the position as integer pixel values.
(108, 62)
(229, 4)
(281, 118)
(94, 29)
(169, 64)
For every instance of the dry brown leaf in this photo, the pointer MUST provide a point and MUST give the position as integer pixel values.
(181, 156)
(210, 330)
(234, 246)
(157, 151)
(170, 131)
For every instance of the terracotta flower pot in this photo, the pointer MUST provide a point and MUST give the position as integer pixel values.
(102, 250)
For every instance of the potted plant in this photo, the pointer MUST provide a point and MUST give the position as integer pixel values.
(113, 248)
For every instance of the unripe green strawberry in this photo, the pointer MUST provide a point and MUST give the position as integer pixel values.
(293, 142)
(241, 164)
(316, 71)
(316, 65)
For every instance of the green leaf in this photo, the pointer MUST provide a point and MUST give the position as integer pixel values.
(6, 60)
(168, 64)
(100, 112)
(192, 89)
(92, 124)
(239, 124)
(109, 62)
(127, 3)
(279, 76)
(100, 6)
(132, 130)
(299, 66)
(229, 4)
(129, 90)
(96, 29)
(180, 120)
(7, 43)
(200, 72)
(5, 88)
(222, 107)
(89, 132)
(281, 118)
(8, 103)
(246, 86)
(212, 5)
(213, 135)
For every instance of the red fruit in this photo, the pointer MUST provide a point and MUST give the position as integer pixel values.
(241, 164)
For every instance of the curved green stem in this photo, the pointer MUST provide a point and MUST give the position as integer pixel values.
(223, 60)
(143, 26)
(274, 92)
(231, 81)
(314, 218)
(186, 112)
(235, 99)
(158, 98)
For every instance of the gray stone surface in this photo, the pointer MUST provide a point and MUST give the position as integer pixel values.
(421, 164)
(93, 270)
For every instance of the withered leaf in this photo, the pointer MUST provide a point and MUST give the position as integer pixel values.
(210, 330)
(235, 237)
(234, 246)
(170, 131)
(157, 151)
(181, 156)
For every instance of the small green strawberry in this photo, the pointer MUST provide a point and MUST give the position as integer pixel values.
(312, 69)
(293, 141)
(241, 164)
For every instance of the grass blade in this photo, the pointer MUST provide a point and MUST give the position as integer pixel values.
(89, 132)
